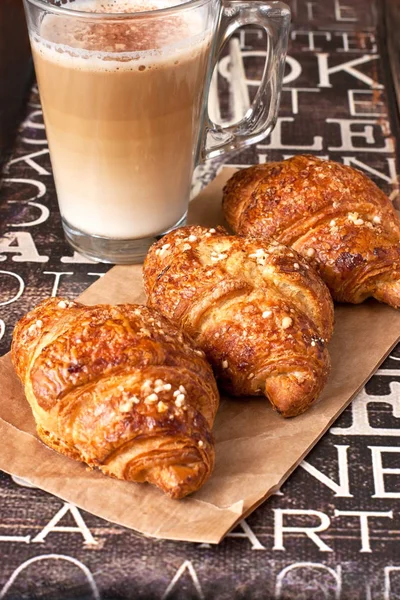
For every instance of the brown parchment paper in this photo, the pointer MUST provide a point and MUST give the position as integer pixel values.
(256, 449)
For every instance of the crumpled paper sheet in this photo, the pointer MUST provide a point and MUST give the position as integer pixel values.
(256, 449)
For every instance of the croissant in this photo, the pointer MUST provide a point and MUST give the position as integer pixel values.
(121, 389)
(259, 312)
(333, 215)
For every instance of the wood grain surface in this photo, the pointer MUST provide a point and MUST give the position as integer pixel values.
(15, 69)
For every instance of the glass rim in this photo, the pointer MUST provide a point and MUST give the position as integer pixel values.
(62, 10)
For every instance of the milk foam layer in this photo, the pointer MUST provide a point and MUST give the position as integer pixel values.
(120, 6)
(121, 44)
(122, 126)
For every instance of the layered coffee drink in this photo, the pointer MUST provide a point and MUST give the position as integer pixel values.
(122, 102)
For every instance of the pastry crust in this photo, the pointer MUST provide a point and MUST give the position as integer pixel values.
(333, 215)
(119, 388)
(259, 312)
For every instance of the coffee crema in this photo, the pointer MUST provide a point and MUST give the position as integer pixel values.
(122, 103)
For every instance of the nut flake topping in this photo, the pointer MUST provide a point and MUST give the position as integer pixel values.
(63, 304)
(266, 314)
(354, 218)
(36, 325)
(260, 256)
(180, 399)
(161, 251)
(151, 398)
(257, 253)
(300, 376)
(224, 364)
(126, 406)
(287, 322)
(215, 256)
(146, 386)
(158, 386)
(310, 252)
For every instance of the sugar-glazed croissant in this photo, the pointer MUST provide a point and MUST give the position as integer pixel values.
(258, 310)
(119, 388)
(333, 215)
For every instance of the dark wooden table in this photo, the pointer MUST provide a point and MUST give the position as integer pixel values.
(333, 532)
(15, 69)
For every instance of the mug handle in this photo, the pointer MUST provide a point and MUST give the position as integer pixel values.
(260, 119)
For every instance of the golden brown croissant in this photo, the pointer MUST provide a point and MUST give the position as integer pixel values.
(119, 388)
(333, 215)
(259, 312)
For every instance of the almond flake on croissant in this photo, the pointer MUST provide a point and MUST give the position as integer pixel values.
(119, 388)
(258, 310)
(333, 215)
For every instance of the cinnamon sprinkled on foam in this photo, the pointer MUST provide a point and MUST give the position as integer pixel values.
(126, 44)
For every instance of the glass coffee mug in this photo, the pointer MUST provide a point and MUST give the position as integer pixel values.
(124, 86)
